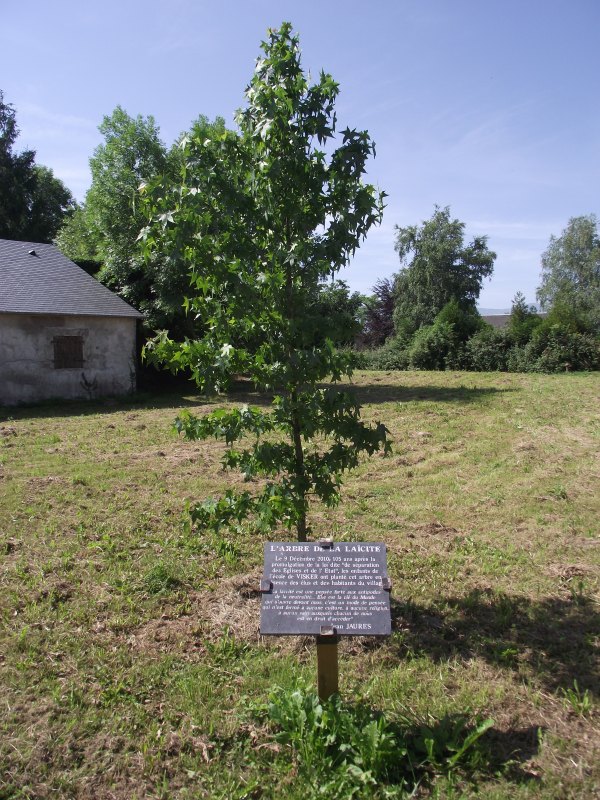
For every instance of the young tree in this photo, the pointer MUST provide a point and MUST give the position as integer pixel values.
(571, 272)
(441, 268)
(261, 219)
(33, 203)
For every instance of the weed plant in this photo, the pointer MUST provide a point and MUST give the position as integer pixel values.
(579, 702)
(347, 749)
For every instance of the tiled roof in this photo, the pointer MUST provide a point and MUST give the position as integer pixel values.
(500, 320)
(47, 282)
(497, 320)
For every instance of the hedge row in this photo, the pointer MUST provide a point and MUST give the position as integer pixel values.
(551, 349)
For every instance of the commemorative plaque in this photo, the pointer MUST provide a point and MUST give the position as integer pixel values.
(325, 589)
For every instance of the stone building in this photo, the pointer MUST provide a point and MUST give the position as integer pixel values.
(62, 333)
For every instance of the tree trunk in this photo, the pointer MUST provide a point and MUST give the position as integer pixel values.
(296, 434)
(301, 523)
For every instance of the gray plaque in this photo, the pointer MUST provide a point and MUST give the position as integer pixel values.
(325, 588)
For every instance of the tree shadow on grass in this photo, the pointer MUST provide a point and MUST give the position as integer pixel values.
(375, 393)
(556, 638)
(495, 750)
(391, 393)
(513, 747)
(185, 394)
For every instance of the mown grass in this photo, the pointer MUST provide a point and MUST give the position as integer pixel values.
(129, 650)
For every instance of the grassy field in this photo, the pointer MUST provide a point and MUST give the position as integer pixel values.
(129, 650)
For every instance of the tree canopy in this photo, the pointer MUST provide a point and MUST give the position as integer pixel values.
(379, 313)
(33, 203)
(261, 219)
(571, 272)
(335, 301)
(524, 319)
(102, 235)
(438, 267)
(131, 153)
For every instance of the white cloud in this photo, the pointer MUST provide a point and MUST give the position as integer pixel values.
(59, 120)
(516, 230)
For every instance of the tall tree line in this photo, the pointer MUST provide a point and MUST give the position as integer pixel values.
(33, 203)
(441, 278)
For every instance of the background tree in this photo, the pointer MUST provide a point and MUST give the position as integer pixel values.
(379, 313)
(17, 176)
(262, 219)
(51, 203)
(571, 274)
(131, 153)
(441, 268)
(524, 319)
(342, 308)
(79, 240)
(33, 203)
(102, 235)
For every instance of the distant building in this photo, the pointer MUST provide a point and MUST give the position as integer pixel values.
(62, 333)
(500, 320)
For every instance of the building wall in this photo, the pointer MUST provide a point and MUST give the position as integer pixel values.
(27, 368)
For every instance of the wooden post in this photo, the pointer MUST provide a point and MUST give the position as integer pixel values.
(327, 666)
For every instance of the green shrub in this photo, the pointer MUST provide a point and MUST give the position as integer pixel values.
(428, 348)
(460, 339)
(550, 349)
(431, 346)
(466, 322)
(523, 321)
(392, 355)
(573, 318)
(486, 351)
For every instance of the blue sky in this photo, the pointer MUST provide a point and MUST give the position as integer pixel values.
(489, 107)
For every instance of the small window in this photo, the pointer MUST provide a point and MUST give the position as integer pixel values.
(68, 352)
